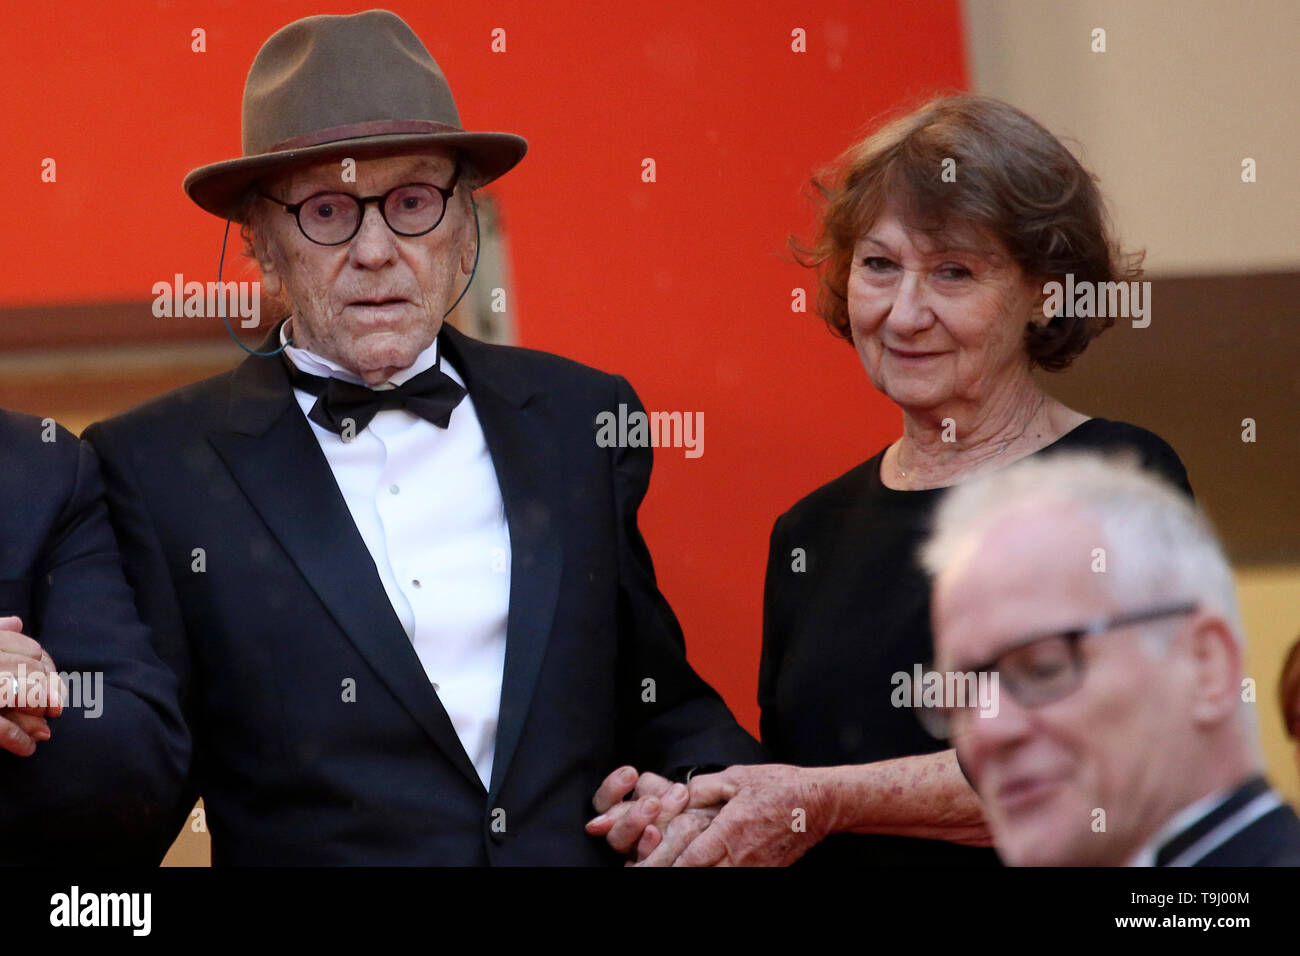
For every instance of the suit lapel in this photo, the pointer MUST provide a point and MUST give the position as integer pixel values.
(1219, 825)
(273, 455)
(515, 425)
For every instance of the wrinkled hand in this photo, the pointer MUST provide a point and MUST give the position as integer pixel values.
(682, 829)
(770, 815)
(24, 660)
(636, 825)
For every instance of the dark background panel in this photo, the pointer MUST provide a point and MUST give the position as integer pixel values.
(1218, 350)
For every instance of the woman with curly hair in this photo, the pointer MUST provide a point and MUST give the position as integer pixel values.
(941, 237)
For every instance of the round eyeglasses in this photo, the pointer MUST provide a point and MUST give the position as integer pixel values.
(333, 218)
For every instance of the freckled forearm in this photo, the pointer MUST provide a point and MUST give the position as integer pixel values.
(925, 796)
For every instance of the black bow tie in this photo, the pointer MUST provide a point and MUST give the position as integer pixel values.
(432, 395)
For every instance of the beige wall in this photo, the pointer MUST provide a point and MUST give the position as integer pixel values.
(1270, 609)
(1184, 91)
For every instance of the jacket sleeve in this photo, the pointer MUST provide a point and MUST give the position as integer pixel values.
(150, 578)
(676, 721)
(147, 569)
(104, 788)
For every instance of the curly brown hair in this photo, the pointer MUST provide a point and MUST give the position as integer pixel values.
(1014, 181)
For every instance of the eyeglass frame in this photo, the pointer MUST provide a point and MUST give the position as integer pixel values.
(295, 209)
(1073, 637)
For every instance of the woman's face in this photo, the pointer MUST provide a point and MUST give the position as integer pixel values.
(934, 324)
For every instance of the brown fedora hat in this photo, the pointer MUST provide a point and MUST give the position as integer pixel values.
(346, 86)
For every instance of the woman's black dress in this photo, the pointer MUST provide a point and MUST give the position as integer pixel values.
(846, 605)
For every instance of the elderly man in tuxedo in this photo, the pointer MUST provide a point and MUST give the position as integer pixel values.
(1103, 604)
(93, 752)
(403, 587)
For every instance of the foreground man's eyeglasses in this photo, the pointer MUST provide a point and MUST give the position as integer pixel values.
(333, 218)
(1036, 671)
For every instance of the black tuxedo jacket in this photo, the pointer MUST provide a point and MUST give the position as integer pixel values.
(248, 565)
(1251, 827)
(102, 786)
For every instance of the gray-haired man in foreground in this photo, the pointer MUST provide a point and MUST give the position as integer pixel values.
(1102, 601)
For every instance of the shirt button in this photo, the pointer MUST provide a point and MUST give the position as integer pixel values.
(415, 582)
(393, 489)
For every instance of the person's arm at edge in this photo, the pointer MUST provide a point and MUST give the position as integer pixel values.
(107, 781)
(150, 579)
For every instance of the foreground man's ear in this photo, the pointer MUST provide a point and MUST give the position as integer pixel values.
(1216, 658)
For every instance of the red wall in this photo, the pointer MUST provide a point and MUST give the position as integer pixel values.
(682, 285)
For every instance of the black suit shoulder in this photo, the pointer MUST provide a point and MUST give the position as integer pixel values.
(56, 477)
(20, 433)
(543, 370)
(20, 426)
(1272, 840)
(196, 404)
(581, 391)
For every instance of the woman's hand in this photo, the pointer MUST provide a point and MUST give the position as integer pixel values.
(766, 815)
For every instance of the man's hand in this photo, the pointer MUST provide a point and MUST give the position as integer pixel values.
(27, 677)
(637, 824)
(770, 815)
(682, 829)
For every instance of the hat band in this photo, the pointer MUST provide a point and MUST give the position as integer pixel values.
(357, 130)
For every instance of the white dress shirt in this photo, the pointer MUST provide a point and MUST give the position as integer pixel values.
(428, 505)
